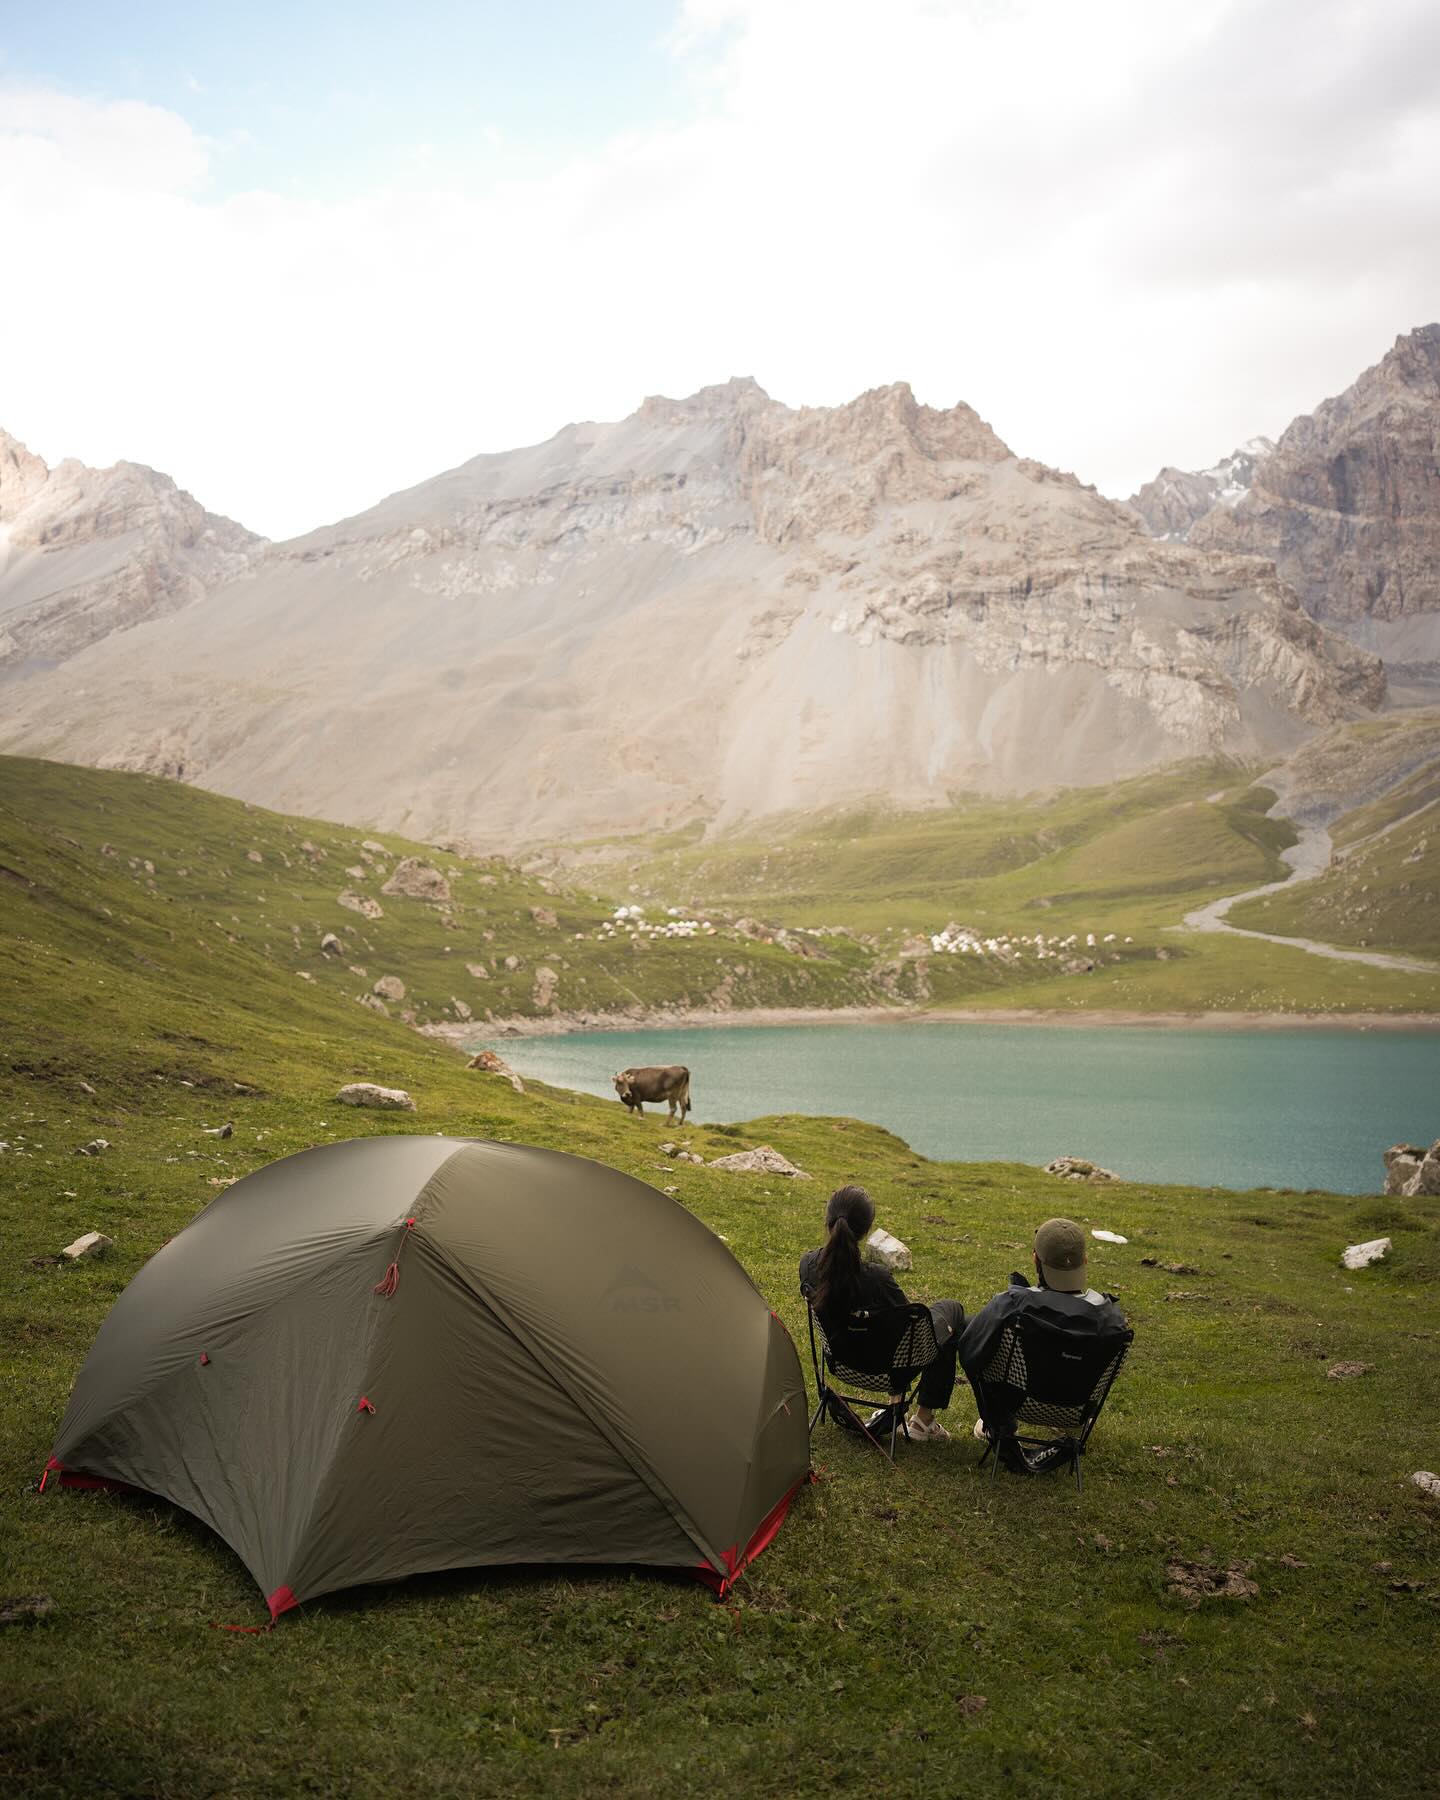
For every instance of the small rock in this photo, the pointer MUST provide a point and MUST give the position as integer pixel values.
(254, 856)
(1109, 1237)
(543, 994)
(544, 915)
(1427, 1483)
(477, 971)
(512, 963)
(94, 1243)
(367, 1093)
(330, 945)
(1079, 1168)
(84, 1086)
(389, 987)
(1360, 1256)
(763, 1160)
(374, 848)
(375, 1003)
(362, 904)
(25, 1609)
(219, 1131)
(1345, 1371)
(462, 1011)
(96, 1147)
(888, 1250)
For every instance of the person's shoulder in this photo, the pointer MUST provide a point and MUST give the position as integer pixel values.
(808, 1264)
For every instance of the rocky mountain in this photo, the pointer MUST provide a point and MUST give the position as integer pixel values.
(1348, 510)
(1176, 498)
(87, 552)
(718, 607)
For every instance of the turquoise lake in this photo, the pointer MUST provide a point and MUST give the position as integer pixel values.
(1301, 1109)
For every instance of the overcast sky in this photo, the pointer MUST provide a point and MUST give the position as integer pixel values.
(301, 263)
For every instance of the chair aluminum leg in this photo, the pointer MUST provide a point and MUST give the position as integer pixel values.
(815, 1416)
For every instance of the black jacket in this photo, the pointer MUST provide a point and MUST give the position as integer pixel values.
(878, 1287)
(1072, 1313)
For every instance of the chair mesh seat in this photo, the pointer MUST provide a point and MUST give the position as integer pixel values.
(1040, 1376)
(876, 1353)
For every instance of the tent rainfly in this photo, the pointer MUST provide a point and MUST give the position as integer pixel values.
(403, 1354)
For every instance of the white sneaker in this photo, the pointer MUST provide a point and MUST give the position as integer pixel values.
(933, 1433)
(981, 1432)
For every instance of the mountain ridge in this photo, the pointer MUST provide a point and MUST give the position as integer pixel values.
(718, 607)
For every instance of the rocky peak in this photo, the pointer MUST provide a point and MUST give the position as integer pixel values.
(1348, 507)
(90, 551)
(1177, 498)
(741, 394)
(22, 475)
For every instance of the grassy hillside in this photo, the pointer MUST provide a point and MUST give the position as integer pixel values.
(1103, 876)
(919, 1629)
(1382, 891)
(154, 876)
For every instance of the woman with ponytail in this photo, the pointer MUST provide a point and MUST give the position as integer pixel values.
(837, 1281)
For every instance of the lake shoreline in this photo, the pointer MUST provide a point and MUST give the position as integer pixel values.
(568, 1024)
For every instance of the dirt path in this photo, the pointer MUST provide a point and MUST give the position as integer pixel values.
(1308, 858)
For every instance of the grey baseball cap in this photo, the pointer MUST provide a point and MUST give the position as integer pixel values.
(1060, 1246)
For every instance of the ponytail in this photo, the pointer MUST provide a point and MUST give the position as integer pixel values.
(849, 1216)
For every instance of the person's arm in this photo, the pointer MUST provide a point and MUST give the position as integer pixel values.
(982, 1333)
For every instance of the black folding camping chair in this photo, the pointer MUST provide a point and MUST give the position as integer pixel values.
(1042, 1375)
(879, 1353)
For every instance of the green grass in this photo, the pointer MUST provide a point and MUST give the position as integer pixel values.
(858, 1649)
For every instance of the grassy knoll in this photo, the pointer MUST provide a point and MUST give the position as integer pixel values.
(922, 1630)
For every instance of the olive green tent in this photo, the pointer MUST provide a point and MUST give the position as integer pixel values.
(402, 1354)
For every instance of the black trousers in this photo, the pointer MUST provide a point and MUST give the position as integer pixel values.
(937, 1382)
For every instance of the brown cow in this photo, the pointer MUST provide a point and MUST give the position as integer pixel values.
(672, 1085)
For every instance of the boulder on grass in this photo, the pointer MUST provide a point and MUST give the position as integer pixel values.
(367, 1093)
(94, 1243)
(763, 1160)
(419, 880)
(362, 904)
(389, 987)
(96, 1147)
(1360, 1256)
(330, 945)
(1079, 1168)
(888, 1250)
(491, 1063)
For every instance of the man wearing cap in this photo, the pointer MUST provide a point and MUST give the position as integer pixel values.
(1063, 1297)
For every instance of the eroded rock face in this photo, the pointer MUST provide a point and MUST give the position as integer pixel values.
(86, 552)
(751, 608)
(1348, 507)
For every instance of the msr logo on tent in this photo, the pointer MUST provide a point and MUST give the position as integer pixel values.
(632, 1290)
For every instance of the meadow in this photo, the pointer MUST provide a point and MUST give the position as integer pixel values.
(918, 1627)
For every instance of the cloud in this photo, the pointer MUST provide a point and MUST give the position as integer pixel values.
(1127, 234)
